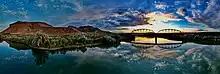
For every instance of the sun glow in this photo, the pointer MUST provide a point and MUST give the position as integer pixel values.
(144, 40)
(158, 21)
(160, 17)
(155, 28)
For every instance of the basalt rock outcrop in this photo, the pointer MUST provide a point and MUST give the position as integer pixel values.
(39, 35)
(31, 28)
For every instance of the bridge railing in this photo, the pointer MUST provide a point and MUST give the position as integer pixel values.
(160, 31)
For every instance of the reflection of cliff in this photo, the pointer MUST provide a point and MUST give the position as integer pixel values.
(18, 46)
(40, 57)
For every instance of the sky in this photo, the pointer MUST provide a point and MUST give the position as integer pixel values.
(101, 13)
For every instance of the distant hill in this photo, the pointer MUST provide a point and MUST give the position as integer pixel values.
(31, 28)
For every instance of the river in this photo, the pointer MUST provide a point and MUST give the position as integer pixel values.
(126, 58)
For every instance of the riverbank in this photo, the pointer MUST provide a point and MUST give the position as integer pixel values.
(76, 40)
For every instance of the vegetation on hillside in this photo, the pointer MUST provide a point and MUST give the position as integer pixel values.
(43, 41)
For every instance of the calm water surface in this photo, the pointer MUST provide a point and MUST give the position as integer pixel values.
(127, 58)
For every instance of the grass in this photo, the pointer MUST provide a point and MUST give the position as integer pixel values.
(43, 41)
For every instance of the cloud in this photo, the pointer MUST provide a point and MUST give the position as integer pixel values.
(84, 12)
(212, 14)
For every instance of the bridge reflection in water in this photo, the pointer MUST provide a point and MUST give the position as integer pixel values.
(154, 40)
(151, 41)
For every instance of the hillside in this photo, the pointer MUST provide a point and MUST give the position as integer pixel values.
(31, 28)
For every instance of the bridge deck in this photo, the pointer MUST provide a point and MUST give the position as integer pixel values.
(182, 33)
(209, 38)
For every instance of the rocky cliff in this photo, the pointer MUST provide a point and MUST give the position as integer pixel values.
(31, 28)
(39, 35)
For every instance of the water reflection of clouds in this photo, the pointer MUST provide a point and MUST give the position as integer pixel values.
(130, 52)
(195, 56)
(164, 58)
